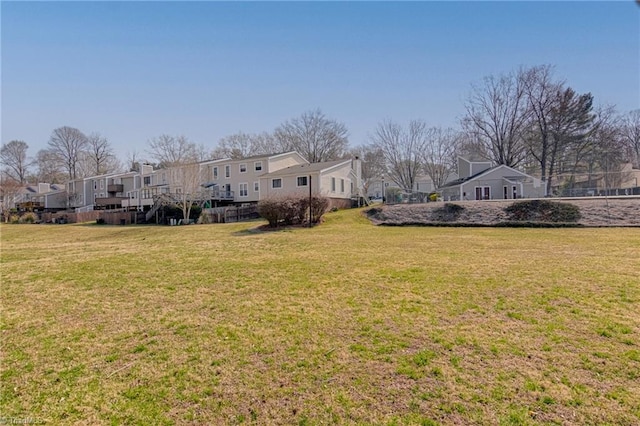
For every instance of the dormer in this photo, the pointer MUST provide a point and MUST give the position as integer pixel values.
(467, 168)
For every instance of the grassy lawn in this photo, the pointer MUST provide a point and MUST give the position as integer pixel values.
(343, 323)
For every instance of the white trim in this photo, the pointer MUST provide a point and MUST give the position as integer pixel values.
(240, 167)
(276, 187)
(306, 181)
(255, 166)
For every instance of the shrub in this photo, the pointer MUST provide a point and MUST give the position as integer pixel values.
(373, 211)
(319, 207)
(14, 218)
(205, 218)
(543, 211)
(29, 217)
(292, 210)
(448, 213)
(100, 221)
(433, 196)
(269, 208)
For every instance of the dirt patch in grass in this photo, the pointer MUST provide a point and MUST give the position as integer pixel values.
(595, 212)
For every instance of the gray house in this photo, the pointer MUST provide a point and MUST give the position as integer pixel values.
(478, 180)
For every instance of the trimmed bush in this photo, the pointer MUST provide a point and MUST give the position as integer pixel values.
(292, 210)
(543, 211)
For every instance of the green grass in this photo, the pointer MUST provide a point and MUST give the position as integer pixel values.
(342, 323)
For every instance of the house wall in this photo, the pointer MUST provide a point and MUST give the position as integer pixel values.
(289, 186)
(283, 161)
(468, 168)
(495, 180)
(55, 200)
(341, 173)
(252, 176)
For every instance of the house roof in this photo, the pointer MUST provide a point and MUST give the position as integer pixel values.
(306, 168)
(484, 172)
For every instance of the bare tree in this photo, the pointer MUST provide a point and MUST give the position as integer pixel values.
(543, 96)
(603, 147)
(68, 143)
(631, 135)
(314, 136)
(497, 114)
(9, 188)
(49, 167)
(243, 145)
(132, 160)
(188, 179)
(439, 154)
(169, 151)
(15, 161)
(402, 149)
(100, 156)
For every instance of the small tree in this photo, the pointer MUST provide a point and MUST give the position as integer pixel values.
(189, 189)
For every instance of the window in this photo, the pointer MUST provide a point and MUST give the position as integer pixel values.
(147, 180)
(215, 173)
(243, 168)
(244, 189)
(95, 184)
(258, 165)
(514, 189)
(302, 180)
(227, 171)
(256, 186)
(276, 183)
(101, 184)
(333, 184)
(341, 185)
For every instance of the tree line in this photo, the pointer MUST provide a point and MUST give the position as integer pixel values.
(527, 119)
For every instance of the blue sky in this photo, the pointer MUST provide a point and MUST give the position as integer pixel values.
(134, 70)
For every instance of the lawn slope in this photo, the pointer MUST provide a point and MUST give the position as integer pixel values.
(342, 323)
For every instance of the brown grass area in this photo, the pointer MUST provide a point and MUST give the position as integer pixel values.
(344, 323)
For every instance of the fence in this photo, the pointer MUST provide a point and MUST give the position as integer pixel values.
(231, 214)
(109, 218)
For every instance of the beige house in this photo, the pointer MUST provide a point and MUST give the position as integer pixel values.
(337, 180)
(239, 181)
(217, 183)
